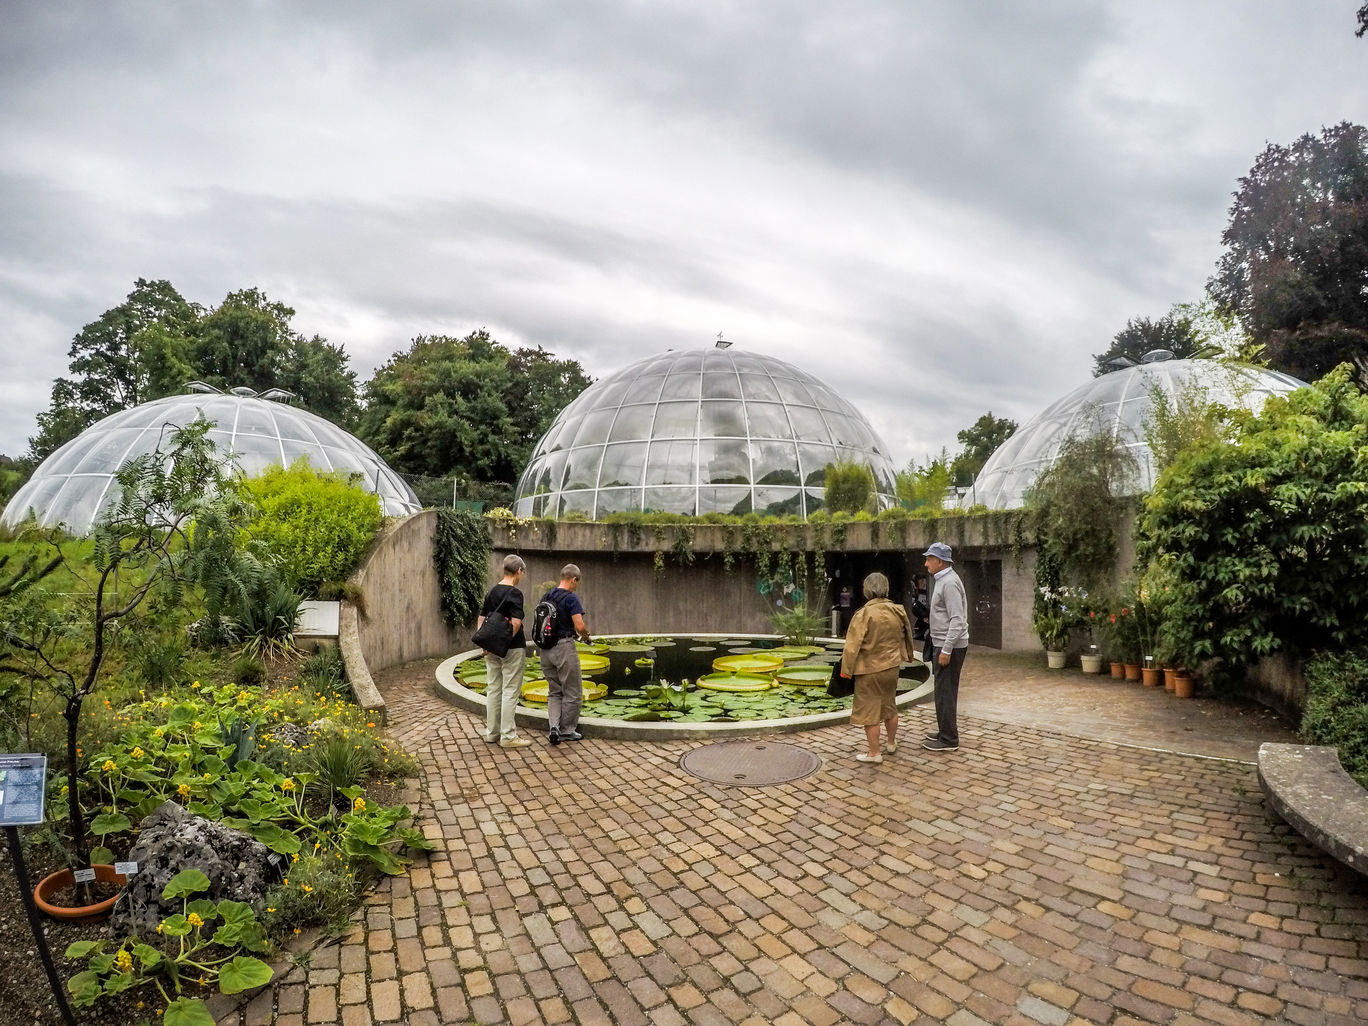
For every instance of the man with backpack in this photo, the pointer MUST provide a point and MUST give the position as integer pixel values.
(557, 621)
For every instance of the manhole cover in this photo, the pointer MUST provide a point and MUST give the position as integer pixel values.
(750, 763)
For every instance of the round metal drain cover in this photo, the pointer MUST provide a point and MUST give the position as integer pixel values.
(749, 763)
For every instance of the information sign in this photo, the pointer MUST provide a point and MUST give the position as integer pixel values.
(23, 786)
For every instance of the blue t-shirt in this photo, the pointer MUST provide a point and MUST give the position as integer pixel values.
(567, 606)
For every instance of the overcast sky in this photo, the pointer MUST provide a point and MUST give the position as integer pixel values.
(942, 208)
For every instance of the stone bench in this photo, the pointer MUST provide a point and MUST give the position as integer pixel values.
(1308, 788)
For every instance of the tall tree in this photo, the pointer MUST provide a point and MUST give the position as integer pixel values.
(118, 360)
(1174, 332)
(465, 406)
(1295, 267)
(249, 341)
(155, 341)
(980, 441)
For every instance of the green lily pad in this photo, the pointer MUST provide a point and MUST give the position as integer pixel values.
(752, 663)
(734, 682)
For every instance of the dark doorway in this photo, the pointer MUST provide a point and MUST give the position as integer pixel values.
(983, 588)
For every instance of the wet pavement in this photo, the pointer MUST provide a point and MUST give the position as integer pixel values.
(1096, 852)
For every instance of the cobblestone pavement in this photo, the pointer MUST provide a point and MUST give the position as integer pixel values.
(1095, 853)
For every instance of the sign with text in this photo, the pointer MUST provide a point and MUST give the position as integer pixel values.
(23, 786)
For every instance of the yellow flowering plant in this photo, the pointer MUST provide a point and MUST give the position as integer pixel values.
(203, 941)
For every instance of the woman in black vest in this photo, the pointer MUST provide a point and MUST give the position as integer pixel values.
(504, 673)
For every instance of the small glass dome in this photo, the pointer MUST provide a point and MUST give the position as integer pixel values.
(74, 484)
(1117, 403)
(699, 431)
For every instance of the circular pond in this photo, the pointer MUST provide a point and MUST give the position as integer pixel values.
(673, 686)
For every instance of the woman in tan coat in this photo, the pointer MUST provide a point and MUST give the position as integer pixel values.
(878, 642)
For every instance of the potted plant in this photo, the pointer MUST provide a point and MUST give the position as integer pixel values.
(1052, 627)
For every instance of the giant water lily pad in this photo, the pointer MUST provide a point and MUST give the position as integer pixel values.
(804, 675)
(735, 682)
(590, 663)
(752, 662)
(537, 691)
(596, 648)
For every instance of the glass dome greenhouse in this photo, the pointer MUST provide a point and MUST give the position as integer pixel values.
(1118, 403)
(74, 484)
(699, 431)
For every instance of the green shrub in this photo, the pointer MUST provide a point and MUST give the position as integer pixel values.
(324, 670)
(1262, 538)
(248, 669)
(1336, 710)
(849, 487)
(315, 526)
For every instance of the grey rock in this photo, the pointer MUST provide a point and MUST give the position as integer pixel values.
(291, 735)
(172, 839)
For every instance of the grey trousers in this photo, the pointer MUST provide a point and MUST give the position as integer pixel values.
(564, 686)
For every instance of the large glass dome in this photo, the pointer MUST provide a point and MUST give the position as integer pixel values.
(76, 482)
(1118, 403)
(699, 431)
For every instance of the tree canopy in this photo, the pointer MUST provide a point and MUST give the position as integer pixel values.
(467, 406)
(1174, 331)
(154, 342)
(1295, 266)
(983, 438)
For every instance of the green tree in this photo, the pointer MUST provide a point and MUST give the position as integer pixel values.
(980, 441)
(1295, 266)
(1261, 538)
(465, 406)
(1174, 332)
(926, 486)
(120, 359)
(849, 487)
(249, 341)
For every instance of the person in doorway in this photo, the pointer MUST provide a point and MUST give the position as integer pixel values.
(504, 673)
(878, 643)
(949, 627)
(560, 662)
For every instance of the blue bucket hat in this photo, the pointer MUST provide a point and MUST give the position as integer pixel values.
(941, 551)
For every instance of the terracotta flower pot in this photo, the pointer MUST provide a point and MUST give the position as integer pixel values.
(1182, 685)
(1132, 671)
(1118, 670)
(65, 880)
(1151, 676)
(1168, 679)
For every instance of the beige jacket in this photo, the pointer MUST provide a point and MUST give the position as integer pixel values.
(879, 636)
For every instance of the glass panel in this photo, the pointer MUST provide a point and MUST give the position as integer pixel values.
(723, 461)
(794, 391)
(64, 460)
(109, 452)
(826, 399)
(676, 420)
(759, 386)
(552, 472)
(528, 507)
(623, 465)
(813, 460)
(645, 389)
(808, 424)
(721, 386)
(768, 420)
(688, 361)
(681, 386)
(319, 459)
(672, 463)
(815, 500)
(83, 500)
(582, 467)
(254, 419)
(778, 501)
(724, 500)
(36, 495)
(614, 393)
(845, 431)
(774, 463)
(633, 423)
(721, 417)
(562, 433)
(594, 427)
(670, 500)
(617, 500)
(575, 502)
(744, 361)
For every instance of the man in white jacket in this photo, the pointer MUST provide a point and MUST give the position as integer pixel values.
(949, 643)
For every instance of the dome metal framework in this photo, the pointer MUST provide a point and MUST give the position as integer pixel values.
(716, 430)
(1118, 403)
(76, 483)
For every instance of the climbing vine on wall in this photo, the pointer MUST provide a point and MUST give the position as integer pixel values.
(461, 557)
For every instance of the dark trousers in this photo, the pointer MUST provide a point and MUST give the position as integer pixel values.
(947, 694)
